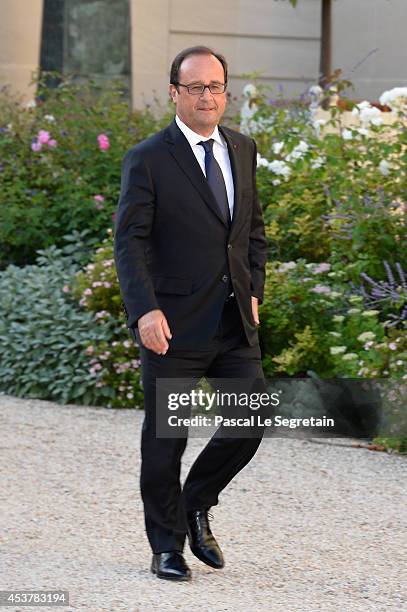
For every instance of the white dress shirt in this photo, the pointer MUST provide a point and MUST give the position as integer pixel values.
(220, 153)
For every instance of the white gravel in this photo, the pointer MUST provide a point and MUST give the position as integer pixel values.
(303, 527)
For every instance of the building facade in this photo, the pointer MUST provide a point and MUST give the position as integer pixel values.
(135, 41)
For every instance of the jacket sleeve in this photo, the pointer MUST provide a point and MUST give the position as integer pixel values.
(257, 242)
(133, 225)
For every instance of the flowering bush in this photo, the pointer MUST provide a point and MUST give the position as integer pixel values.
(313, 320)
(61, 163)
(333, 196)
(116, 362)
(328, 190)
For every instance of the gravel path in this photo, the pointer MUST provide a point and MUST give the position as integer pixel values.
(303, 527)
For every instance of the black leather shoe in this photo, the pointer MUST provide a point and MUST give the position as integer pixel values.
(170, 566)
(201, 539)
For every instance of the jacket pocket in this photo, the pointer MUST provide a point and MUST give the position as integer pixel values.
(178, 286)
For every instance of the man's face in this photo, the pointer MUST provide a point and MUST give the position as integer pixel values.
(202, 112)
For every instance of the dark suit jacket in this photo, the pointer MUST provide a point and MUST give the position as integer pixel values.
(172, 248)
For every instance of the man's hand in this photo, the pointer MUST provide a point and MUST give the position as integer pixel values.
(154, 331)
(255, 310)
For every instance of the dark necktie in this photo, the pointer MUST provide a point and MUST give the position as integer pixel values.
(215, 179)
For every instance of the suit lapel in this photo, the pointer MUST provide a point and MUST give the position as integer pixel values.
(180, 149)
(234, 163)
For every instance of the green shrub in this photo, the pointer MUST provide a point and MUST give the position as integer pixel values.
(337, 197)
(43, 334)
(72, 182)
(96, 289)
(52, 348)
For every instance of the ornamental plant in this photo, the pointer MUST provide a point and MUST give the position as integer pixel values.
(329, 192)
(313, 318)
(116, 361)
(60, 163)
(43, 332)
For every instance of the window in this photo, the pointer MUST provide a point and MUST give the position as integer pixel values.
(87, 39)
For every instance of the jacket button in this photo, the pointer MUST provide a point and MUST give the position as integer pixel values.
(229, 246)
(225, 278)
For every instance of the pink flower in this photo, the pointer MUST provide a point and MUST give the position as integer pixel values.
(99, 206)
(43, 136)
(101, 313)
(36, 146)
(321, 289)
(99, 198)
(52, 142)
(65, 288)
(322, 267)
(103, 141)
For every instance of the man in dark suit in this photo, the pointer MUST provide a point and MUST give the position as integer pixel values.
(190, 253)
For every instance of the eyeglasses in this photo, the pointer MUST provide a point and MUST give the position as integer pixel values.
(195, 90)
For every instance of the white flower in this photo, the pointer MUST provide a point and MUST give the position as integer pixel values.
(262, 161)
(335, 334)
(302, 146)
(337, 350)
(360, 107)
(277, 146)
(368, 113)
(367, 335)
(363, 132)
(349, 356)
(298, 151)
(276, 182)
(347, 134)
(317, 162)
(352, 311)
(395, 98)
(338, 318)
(393, 346)
(363, 372)
(371, 115)
(280, 167)
(370, 313)
(249, 90)
(49, 118)
(31, 104)
(317, 124)
(284, 267)
(384, 167)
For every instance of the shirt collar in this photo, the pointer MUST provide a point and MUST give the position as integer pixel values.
(194, 138)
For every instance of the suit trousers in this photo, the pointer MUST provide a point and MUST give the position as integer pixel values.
(227, 356)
